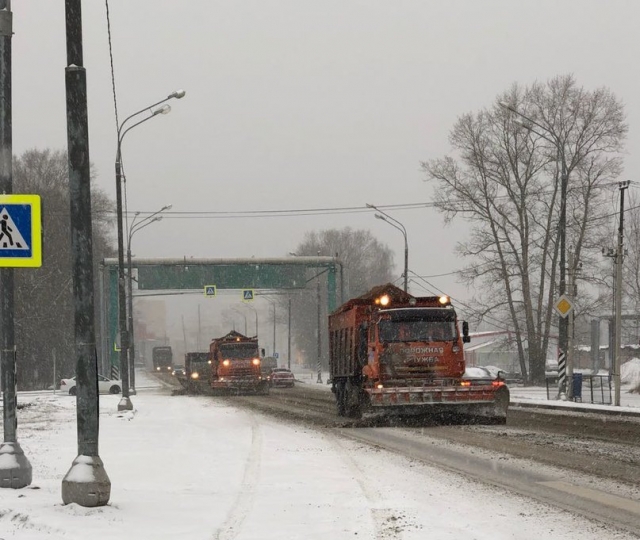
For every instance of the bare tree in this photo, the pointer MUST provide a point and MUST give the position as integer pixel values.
(44, 297)
(367, 263)
(506, 182)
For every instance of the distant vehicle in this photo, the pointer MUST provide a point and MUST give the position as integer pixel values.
(268, 364)
(197, 373)
(178, 371)
(235, 364)
(105, 386)
(162, 359)
(281, 377)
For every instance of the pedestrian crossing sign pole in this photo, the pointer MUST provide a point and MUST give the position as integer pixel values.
(20, 231)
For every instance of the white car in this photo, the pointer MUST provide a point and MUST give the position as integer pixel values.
(105, 386)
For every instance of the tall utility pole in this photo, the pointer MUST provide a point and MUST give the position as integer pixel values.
(397, 225)
(618, 294)
(86, 483)
(570, 316)
(15, 470)
(319, 350)
(289, 336)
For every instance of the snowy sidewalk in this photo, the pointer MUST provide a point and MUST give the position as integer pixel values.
(193, 467)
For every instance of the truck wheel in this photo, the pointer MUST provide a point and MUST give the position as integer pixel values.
(73, 391)
(115, 389)
(340, 399)
(353, 401)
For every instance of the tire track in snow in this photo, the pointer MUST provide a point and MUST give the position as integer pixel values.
(386, 522)
(242, 505)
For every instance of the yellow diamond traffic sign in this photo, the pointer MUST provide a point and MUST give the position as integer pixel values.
(563, 306)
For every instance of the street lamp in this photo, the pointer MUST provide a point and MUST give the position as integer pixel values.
(273, 304)
(135, 227)
(245, 320)
(256, 313)
(125, 402)
(551, 137)
(395, 223)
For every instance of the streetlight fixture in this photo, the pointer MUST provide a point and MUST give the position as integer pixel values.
(135, 227)
(395, 223)
(551, 137)
(256, 313)
(125, 402)
(246, 332)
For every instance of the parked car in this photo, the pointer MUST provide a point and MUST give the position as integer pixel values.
(281, 377)
(105, 386)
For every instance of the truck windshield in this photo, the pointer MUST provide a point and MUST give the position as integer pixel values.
(417, 330)
(239, 350)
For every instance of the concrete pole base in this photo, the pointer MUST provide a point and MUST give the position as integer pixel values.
(125, 404)
(15, 469)
(86, 483)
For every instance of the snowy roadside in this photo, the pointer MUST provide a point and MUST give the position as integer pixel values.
(194, 467)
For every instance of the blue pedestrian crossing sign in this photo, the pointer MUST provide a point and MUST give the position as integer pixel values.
(247, 295)
(20, 231)
(210, 291)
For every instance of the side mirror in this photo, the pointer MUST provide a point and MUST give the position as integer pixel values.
(500, 375)
(465, 332)
(262, 353)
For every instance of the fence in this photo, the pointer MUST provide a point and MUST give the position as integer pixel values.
(594, 388)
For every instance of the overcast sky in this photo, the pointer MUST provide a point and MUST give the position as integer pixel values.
(295, 104)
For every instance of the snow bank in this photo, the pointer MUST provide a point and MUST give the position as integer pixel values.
(630, 374)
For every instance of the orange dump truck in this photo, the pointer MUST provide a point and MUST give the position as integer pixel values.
(235, 364)
(396, 353)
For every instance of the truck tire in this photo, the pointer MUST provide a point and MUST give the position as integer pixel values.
(115, 389)
(340, 399)
(353, 399)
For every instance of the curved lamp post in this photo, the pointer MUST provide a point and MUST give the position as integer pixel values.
(125, 402)
(256, 313)
(245, 319)
(551, 137)
(395, 223)
(135, 227)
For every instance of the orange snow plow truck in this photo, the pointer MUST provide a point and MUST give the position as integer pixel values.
(235, 364)
(396, 353)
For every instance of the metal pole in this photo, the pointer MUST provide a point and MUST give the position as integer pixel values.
(274, 328)
(257, 334)
(289, 337)
(570, 330)
(319, 351)
(19, 473)
(199, 328)
(125, 402)
(406, 264)
(563, 331)
(103, 322)
(132, 345)
(618, 315)
(86, 483)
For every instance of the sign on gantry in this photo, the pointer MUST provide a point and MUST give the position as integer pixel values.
(20, 231)
(248, 295)
(210, 291)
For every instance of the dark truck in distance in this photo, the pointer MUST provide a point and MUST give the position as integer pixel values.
(197, 373)
(162, 359)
